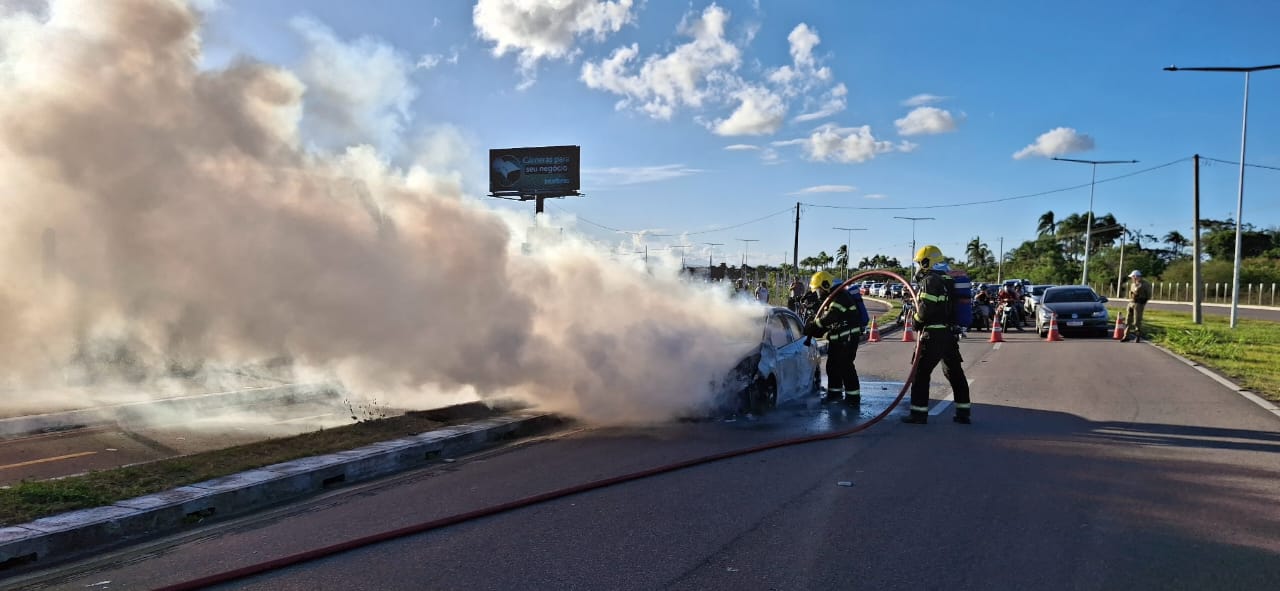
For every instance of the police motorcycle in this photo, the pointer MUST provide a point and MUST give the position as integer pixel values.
(908, 309)
(981, 316)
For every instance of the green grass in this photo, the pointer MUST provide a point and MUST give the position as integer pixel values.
(30, 500)
(1248, 354)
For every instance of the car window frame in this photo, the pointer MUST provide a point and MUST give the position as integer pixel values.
(768, 330)
(793, 325)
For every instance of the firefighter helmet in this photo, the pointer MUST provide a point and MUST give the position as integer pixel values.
(928, 256)
(821, 279)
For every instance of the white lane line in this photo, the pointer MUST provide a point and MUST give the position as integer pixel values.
(1250, 396)
(996, 347)
(945, 403)
(328, 414)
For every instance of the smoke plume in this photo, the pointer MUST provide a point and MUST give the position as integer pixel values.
(160, 218)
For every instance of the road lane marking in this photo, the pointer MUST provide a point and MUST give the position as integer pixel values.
(1234, 387)
(328, 414)
(945, 403)
(996, 347)
(46, 460)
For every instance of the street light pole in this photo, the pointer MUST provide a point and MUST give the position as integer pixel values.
(1244, 134)
(1088, 228)
(746, 248)
(848, 239)
(710, 253)
(681, 247)
(911, 258)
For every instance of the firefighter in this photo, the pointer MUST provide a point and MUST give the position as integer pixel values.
(938, 319)
(842, 323)
(1139, 293)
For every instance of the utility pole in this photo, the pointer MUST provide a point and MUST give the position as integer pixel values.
(1000, 263)
(1196, 286)
(912, 258)
(1120, 270)
(795, 252)
(681, 247)
(1088, 228)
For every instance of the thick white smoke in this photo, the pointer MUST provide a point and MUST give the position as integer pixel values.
(167, 218)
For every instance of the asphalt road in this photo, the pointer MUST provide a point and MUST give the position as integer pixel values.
(1091, 465)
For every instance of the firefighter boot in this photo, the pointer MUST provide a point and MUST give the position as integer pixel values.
(962, 417)
(853, 397)
(833, 396)
(916, 418)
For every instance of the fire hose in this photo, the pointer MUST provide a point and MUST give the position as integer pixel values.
(325, 551)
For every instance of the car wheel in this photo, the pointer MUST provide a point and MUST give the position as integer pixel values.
(762, 396)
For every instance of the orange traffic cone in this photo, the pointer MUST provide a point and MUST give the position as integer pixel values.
(874, 337)
(908, 333)
(1119, 333)
(1054, 335)
(997, 331)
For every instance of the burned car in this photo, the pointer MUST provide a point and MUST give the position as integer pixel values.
(784, 367)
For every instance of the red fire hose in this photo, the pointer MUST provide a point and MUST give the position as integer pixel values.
(301, 557)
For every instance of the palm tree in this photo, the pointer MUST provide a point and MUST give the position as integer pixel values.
(1046, 226)
(842, 257)
(977, 253)
(1176, 242)
(825, 259)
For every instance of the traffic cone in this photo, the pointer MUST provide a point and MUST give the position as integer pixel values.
(1119, 333)
(1054, 335)
(997, 332)
(908, 333)
(874, 337)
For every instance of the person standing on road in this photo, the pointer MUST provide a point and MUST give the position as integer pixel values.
(762, 293)
(1139, 293)
(937, 320)
(842, 323)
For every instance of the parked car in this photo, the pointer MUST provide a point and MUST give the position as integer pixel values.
(784, 366)
(1034, 294)
(895, 291)
(1079, 309)
(876, 289)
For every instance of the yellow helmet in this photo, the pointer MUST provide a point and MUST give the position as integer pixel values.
(821, 279)
(929, 255)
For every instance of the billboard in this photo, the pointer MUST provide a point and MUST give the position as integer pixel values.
(548, 170)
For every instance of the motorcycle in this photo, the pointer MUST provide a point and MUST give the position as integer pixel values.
(981, 317)
(1008, 318)
(908, 310)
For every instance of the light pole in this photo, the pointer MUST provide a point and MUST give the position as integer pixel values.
(912, 258)
(1244, 131)
(746, 248)
(847, 239)
(1000, 263)
(711, 252)
(1088, 227)
(681, 247)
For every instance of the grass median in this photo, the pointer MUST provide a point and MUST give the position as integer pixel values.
(1248, 354)
(30, 500)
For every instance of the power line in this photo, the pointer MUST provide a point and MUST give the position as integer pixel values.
(710, 231)
(1002, 199)
(1238, 164)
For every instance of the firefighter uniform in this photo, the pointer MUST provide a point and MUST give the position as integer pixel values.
(842, 323)
(937, 319)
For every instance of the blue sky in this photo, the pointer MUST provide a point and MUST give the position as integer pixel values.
(988, 83)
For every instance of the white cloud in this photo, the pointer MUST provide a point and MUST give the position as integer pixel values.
(926, 120)
(431, 60)
(874, 196)
(356, 92)
(803, 74)
(830, 143)
(632, 175)
(690, 75)
(546, 29)
(835, 103)
(825, 189)
(770, 156)
(759, 112)
(1056, 142)
(921, 100)
(741, 147)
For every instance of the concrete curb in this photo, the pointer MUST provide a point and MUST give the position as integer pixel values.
(137, 412)
(1125, 301)
(1230, 385)
(69, 535)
